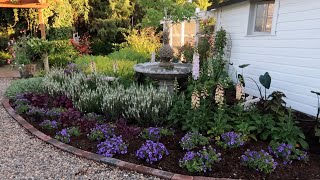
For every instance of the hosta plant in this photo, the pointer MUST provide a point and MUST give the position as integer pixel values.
(200, 161)
(288, 153)
(112, 146)
(231, 140)
(152, 151)
(259, 160)
(192, 140)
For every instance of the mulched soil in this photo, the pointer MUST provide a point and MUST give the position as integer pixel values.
(229, 167)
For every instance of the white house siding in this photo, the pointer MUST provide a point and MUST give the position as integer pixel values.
(291, 56)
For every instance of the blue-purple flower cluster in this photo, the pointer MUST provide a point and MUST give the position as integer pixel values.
(192, 140)
(101, 132)
(35, 111)
(200, 161)
(288, 153)
(231, 140)
(47, 124)
(54, 113)
(63, 136)
(112, 146)
(151, 133)
(259, 160)
(95, 117)
(152, 151)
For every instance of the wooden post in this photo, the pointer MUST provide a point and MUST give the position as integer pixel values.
(43, 36)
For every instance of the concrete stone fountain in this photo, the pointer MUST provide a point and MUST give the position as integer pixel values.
(165, 72)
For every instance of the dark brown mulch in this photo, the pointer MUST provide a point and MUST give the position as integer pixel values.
(229, 167)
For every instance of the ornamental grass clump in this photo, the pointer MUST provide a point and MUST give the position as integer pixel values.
(231, 140)
(155, 133)
(112, 146)
(192, 140)
(101, 132)
(259, 160)
(200, 161)
(288, 153)
(152, 151)
(47, 124)
(63, 136)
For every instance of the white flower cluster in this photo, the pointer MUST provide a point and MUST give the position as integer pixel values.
(94, 93)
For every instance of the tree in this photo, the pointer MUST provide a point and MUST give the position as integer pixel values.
(177, 10)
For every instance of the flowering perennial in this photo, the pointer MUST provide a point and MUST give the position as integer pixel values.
(155, 133)
(219, 96)
(192, 140)
(112, 146)
(239, 92)
(259, 160)
(195, 100)
(63, 136)
(152, 151)
(196, 66)
(47, 124)
(200, 161)
(231, 140)
(288, 153)
(101, 132)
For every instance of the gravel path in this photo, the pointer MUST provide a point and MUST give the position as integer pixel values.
(23, 156)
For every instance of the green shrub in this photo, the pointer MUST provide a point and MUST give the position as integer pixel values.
(62, 53)
(111, 67)
(100, 47)
(130, 54)
(143, 41)
(3, 57)
(24, 86)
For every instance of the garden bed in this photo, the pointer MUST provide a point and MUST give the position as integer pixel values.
(228, 167)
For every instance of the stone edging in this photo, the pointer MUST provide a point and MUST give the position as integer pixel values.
(92, 156)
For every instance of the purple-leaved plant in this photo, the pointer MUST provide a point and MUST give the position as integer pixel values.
(259, 160)
(288, 153)
(152, 151)
(47, 124)
(231, 140)
(200, 161)
(63, 136)
(192, 140)
(112, 146)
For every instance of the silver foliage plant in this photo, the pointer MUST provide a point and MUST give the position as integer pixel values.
(144, 104)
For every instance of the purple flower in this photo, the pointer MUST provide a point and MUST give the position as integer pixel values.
(47, 124)
(287, 153)
(192, 140)
(200, 161)
(63, 136)
(112, 146)
(151, 133)
(152, 151)
(101, 132)
(231, 140)
(258, 160)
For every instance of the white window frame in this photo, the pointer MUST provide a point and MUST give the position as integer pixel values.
(252, 19)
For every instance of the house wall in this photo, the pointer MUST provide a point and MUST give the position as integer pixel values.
(291, 56)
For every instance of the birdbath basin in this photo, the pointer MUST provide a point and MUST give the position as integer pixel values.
(165, 76)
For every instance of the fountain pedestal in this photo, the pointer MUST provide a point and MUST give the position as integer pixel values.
(165, 76)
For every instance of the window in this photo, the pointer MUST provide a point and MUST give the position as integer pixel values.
(261, 17)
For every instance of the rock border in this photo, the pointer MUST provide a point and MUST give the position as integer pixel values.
(92, 156)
